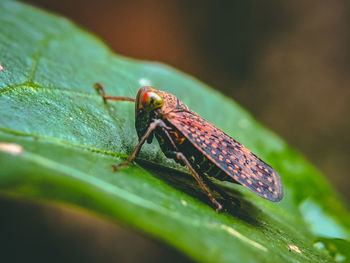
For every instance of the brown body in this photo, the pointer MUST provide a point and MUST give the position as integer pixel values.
(213, 153)
(192, 141)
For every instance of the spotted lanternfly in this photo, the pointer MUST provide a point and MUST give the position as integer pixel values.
(197, 144)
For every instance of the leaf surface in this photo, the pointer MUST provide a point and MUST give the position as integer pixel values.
(57, 141)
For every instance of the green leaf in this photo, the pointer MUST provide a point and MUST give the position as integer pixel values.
(58, 140)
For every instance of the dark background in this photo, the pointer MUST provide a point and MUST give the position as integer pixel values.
(287, 62)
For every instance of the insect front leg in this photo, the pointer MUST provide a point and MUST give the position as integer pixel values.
(151, 128)
(100, 89)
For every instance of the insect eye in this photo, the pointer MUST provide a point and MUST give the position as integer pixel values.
(152, 100)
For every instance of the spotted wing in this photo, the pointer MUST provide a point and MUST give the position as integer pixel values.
(233, 158)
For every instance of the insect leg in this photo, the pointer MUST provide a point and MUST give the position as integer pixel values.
(99, 88)
(142, 140)
(181, 156)
(227, 198)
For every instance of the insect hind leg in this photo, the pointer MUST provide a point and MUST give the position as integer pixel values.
(181, 157)
(227, 199)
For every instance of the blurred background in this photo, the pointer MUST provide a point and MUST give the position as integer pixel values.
(287, 62)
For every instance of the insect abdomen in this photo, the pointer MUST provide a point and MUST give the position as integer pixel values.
(198, 160)
(201, 163)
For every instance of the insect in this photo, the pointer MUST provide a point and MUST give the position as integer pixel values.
(197, 144)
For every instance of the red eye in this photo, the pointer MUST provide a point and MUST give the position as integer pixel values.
(151, 100)
(145, 96)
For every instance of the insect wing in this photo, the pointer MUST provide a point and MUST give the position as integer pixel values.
(230, 156)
